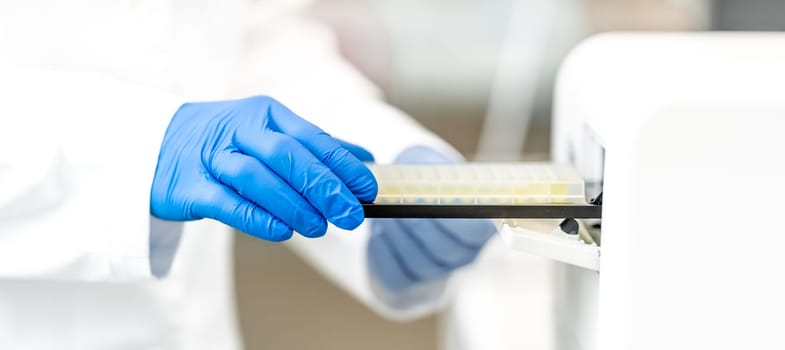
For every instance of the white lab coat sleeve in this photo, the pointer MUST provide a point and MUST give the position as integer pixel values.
(77, 156)
(300, 66)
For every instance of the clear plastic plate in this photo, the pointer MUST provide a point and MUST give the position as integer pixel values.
(479, 183)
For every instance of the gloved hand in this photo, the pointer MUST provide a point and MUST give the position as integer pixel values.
(405, 252)
(258, 167)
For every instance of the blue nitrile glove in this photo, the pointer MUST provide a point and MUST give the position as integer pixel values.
(405, 252)
(258, 167)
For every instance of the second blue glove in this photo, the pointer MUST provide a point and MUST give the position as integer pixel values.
(405, 252)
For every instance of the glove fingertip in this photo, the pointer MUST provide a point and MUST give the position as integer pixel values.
(278, 234)
(350, 220)
(368, 192)
(270, 229)
(315, 231)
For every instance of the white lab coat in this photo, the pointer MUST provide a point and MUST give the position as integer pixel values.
(86, 91)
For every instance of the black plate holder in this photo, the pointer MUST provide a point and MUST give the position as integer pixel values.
(475, 211)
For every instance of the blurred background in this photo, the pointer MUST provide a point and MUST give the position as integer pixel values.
(479, 74)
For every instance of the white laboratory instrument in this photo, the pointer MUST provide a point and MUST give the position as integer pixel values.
(684, 133)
